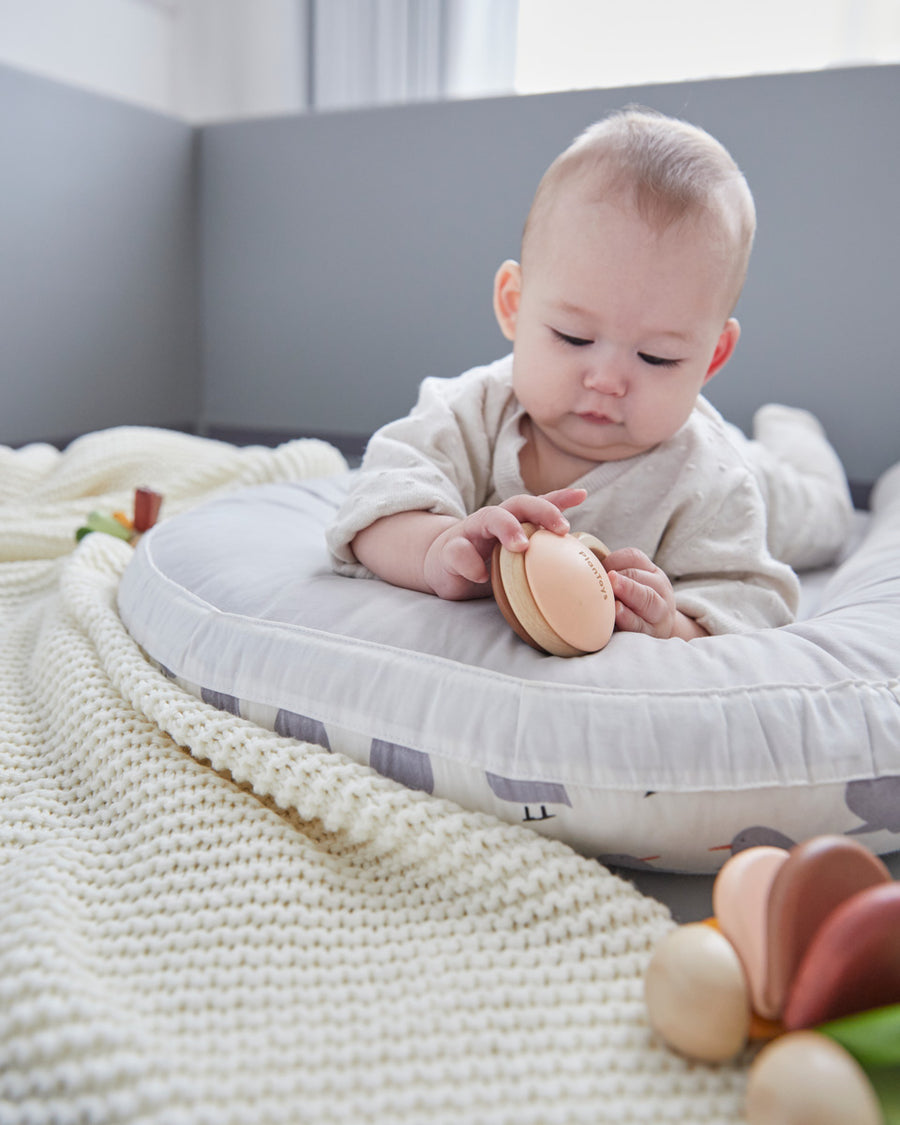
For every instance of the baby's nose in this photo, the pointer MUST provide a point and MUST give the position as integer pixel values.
(607, 375)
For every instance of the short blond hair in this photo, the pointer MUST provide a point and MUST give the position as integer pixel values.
(666, 168)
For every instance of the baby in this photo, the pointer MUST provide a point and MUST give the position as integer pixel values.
(620, 312)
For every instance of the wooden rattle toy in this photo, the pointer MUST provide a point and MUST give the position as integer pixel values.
(556, 595)
(803, 950)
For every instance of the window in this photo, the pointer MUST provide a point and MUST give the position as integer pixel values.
(578, 44)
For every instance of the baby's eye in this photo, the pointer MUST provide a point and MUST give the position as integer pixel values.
(573, 341)
(658, 360)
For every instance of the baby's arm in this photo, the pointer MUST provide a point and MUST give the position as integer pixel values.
(450, 557)
(645, 599)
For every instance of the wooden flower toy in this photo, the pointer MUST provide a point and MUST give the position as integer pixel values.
(120, 525)
(556, 595)
(803, 950)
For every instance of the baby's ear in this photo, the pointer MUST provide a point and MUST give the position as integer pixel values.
(725, 346)
(507, 293)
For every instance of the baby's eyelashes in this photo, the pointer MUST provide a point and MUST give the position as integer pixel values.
(658, 360)
(572, 341)
(583, 342)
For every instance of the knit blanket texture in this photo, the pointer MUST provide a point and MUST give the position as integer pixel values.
(204, 922)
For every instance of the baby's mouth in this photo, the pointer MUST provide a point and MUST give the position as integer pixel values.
(597, 419)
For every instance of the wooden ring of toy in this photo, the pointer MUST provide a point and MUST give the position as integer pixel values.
(556, 595)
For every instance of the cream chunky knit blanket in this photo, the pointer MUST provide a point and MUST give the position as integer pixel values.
(201, 921)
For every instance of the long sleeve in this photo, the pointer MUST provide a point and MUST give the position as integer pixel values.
(439, 458)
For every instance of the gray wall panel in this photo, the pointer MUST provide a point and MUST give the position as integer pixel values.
(346, 256)
(98, 316)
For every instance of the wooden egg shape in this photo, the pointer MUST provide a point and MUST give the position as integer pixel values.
(740, 901)
(807, 1079)
(556, 595)
(696, 994)
(872, 1038)
(853, 961)
(818, 876)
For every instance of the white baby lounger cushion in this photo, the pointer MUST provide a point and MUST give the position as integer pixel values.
(649, 753)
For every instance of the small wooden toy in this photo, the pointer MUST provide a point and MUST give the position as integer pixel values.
(807, 1077)
(556, 595)
(697, 994)
(803, 950)
(817, 877)
(146, 508)
(147, 504)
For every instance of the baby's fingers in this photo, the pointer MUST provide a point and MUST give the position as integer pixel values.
(644, 596)
(627, 621)
(544, 511)
(564, 498)
(629, 559)
(639, 599)
(499, 524)
(461, 557)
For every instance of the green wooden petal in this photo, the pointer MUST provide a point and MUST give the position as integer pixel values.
(97, 521)
(873, 1037)
(886, 1084)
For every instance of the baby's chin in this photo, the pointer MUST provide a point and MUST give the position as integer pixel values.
(600, 438)
(589, 443)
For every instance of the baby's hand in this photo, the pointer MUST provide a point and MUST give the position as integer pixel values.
(645, 600)
(457, 564)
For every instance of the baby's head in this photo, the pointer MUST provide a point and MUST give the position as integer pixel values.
(668, 172)
(633, 258)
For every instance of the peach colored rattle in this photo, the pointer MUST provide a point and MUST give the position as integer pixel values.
(556, 595)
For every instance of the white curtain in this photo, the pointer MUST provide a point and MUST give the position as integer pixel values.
(375, 52)
(243, 58)
(238, 58)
